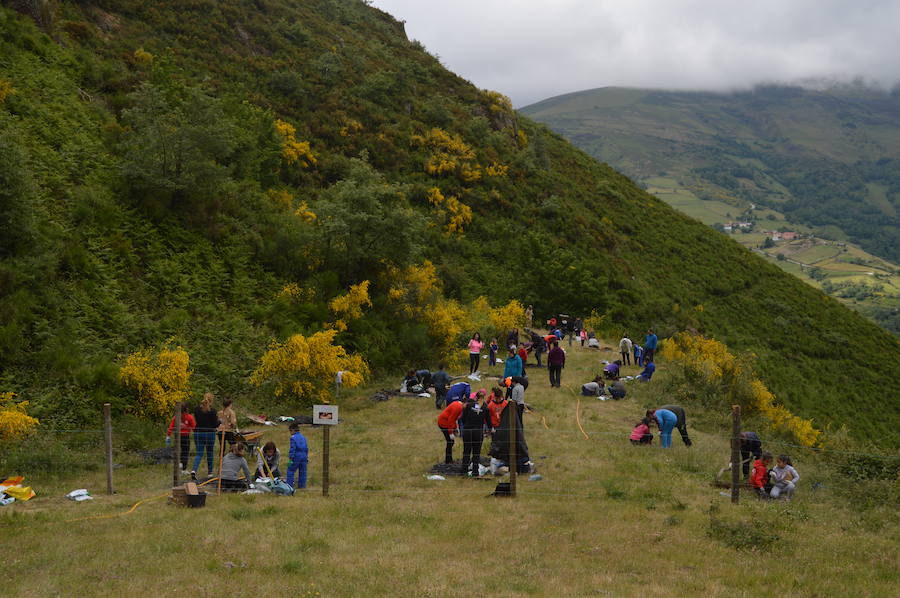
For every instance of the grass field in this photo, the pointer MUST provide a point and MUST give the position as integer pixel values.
(607, 519)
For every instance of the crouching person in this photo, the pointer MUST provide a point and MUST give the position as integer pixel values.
(784, 478)
(759, 479)
(233, 464)
(641, 433)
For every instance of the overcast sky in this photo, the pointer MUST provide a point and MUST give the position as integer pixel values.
(532, 50)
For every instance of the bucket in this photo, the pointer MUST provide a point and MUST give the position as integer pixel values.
(195, 501)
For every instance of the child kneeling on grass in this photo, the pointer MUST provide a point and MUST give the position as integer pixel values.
(785, 478)
(759, 479)
(641, 433)
(299, 457)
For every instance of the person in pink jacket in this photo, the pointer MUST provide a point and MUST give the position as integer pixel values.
(475, 347)
(641, 433)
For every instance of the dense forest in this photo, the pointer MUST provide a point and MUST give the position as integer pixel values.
(220, 175)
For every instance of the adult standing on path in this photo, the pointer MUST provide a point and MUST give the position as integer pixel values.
(529, 316)
(475, 347)
(513, 365)
(205, 433)
(625, 347)
(187, 426)
(227, 423)
(680, 423)
(472, 432)
(556, 360)
(650, 343)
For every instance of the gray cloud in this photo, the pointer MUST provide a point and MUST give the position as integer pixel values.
(532, 50)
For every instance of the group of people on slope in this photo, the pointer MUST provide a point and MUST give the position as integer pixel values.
(472, 415)
(666, 419)
(768, 482)
(235, 473)
(642, 354)
(205, 423)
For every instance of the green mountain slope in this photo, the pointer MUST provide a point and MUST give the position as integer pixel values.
(169, 168)
(825, 159)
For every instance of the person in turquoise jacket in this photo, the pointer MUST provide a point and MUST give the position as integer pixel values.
(666, 420)
(513, 365)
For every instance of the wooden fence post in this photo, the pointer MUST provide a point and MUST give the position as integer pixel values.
(513, 458)
(107, 432)
(176, 443)
(326, 456)
(735, 453)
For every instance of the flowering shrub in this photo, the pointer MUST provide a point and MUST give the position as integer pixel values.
(158, 380)
(15, 423)
(143, 57)
(710, 367)
(6, 90)
(458, 214)
(350, 306)
(293, 151)
(305, 367)
(448, 152)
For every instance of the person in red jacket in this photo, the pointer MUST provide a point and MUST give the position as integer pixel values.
(447, 422)
(759, 479)
(188, 423)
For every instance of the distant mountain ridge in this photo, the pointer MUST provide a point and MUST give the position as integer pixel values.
(824, 158)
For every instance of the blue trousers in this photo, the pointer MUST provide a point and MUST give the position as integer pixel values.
(666, 426)
(293, 468)
(205, 442)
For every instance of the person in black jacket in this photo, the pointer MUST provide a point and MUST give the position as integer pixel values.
(441, 380)
(751, 446)
(205, 432)
(473, 417)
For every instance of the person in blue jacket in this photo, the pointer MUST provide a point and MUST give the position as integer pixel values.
(666, 421)
(645, 376)
(638, 355)
(650, 343)
(299, 457)
(458, 392)
(513, 365)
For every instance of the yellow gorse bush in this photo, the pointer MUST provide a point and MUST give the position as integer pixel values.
(507, 317)
(15, 423)
(158, 379)
(293, 151)
(458, 215)
(305, 367)
(350, 306)
(448, 152)
(708, 362)
(143, 57)
(6, 90)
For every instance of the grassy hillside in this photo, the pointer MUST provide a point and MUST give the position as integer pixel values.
(213, 175)
(826, 159)
(607, 519)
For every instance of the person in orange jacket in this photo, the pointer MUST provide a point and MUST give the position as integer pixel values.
(188, 423)
(494, 407)
(447, 422)
(759, 479)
